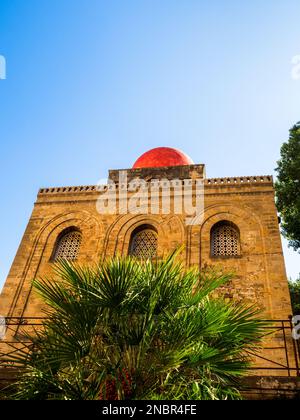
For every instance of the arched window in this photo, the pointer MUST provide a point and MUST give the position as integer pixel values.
(67, 245)
(225, 240)
(143, 243)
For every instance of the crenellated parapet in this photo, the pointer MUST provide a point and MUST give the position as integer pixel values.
(260, 180)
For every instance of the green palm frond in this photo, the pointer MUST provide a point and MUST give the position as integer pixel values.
(138, 329)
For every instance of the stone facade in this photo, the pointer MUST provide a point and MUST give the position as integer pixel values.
(246, 202)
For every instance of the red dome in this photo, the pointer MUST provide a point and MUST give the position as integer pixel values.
(162, 156)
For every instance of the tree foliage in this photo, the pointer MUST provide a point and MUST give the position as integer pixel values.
(295, 295)
(138, 330)
(288, 187)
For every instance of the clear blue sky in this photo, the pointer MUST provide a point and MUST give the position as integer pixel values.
(92, 84)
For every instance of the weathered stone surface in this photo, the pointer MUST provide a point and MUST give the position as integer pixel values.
(270, 388)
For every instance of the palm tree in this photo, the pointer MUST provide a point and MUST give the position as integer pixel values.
(128, 329)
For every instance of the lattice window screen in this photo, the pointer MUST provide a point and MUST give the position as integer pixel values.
(68, 246)
(225, 241)
(144, 244)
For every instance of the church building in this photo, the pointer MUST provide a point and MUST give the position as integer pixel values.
(236, 230)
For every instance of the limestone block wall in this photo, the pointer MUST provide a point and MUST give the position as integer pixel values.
(248, 202)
